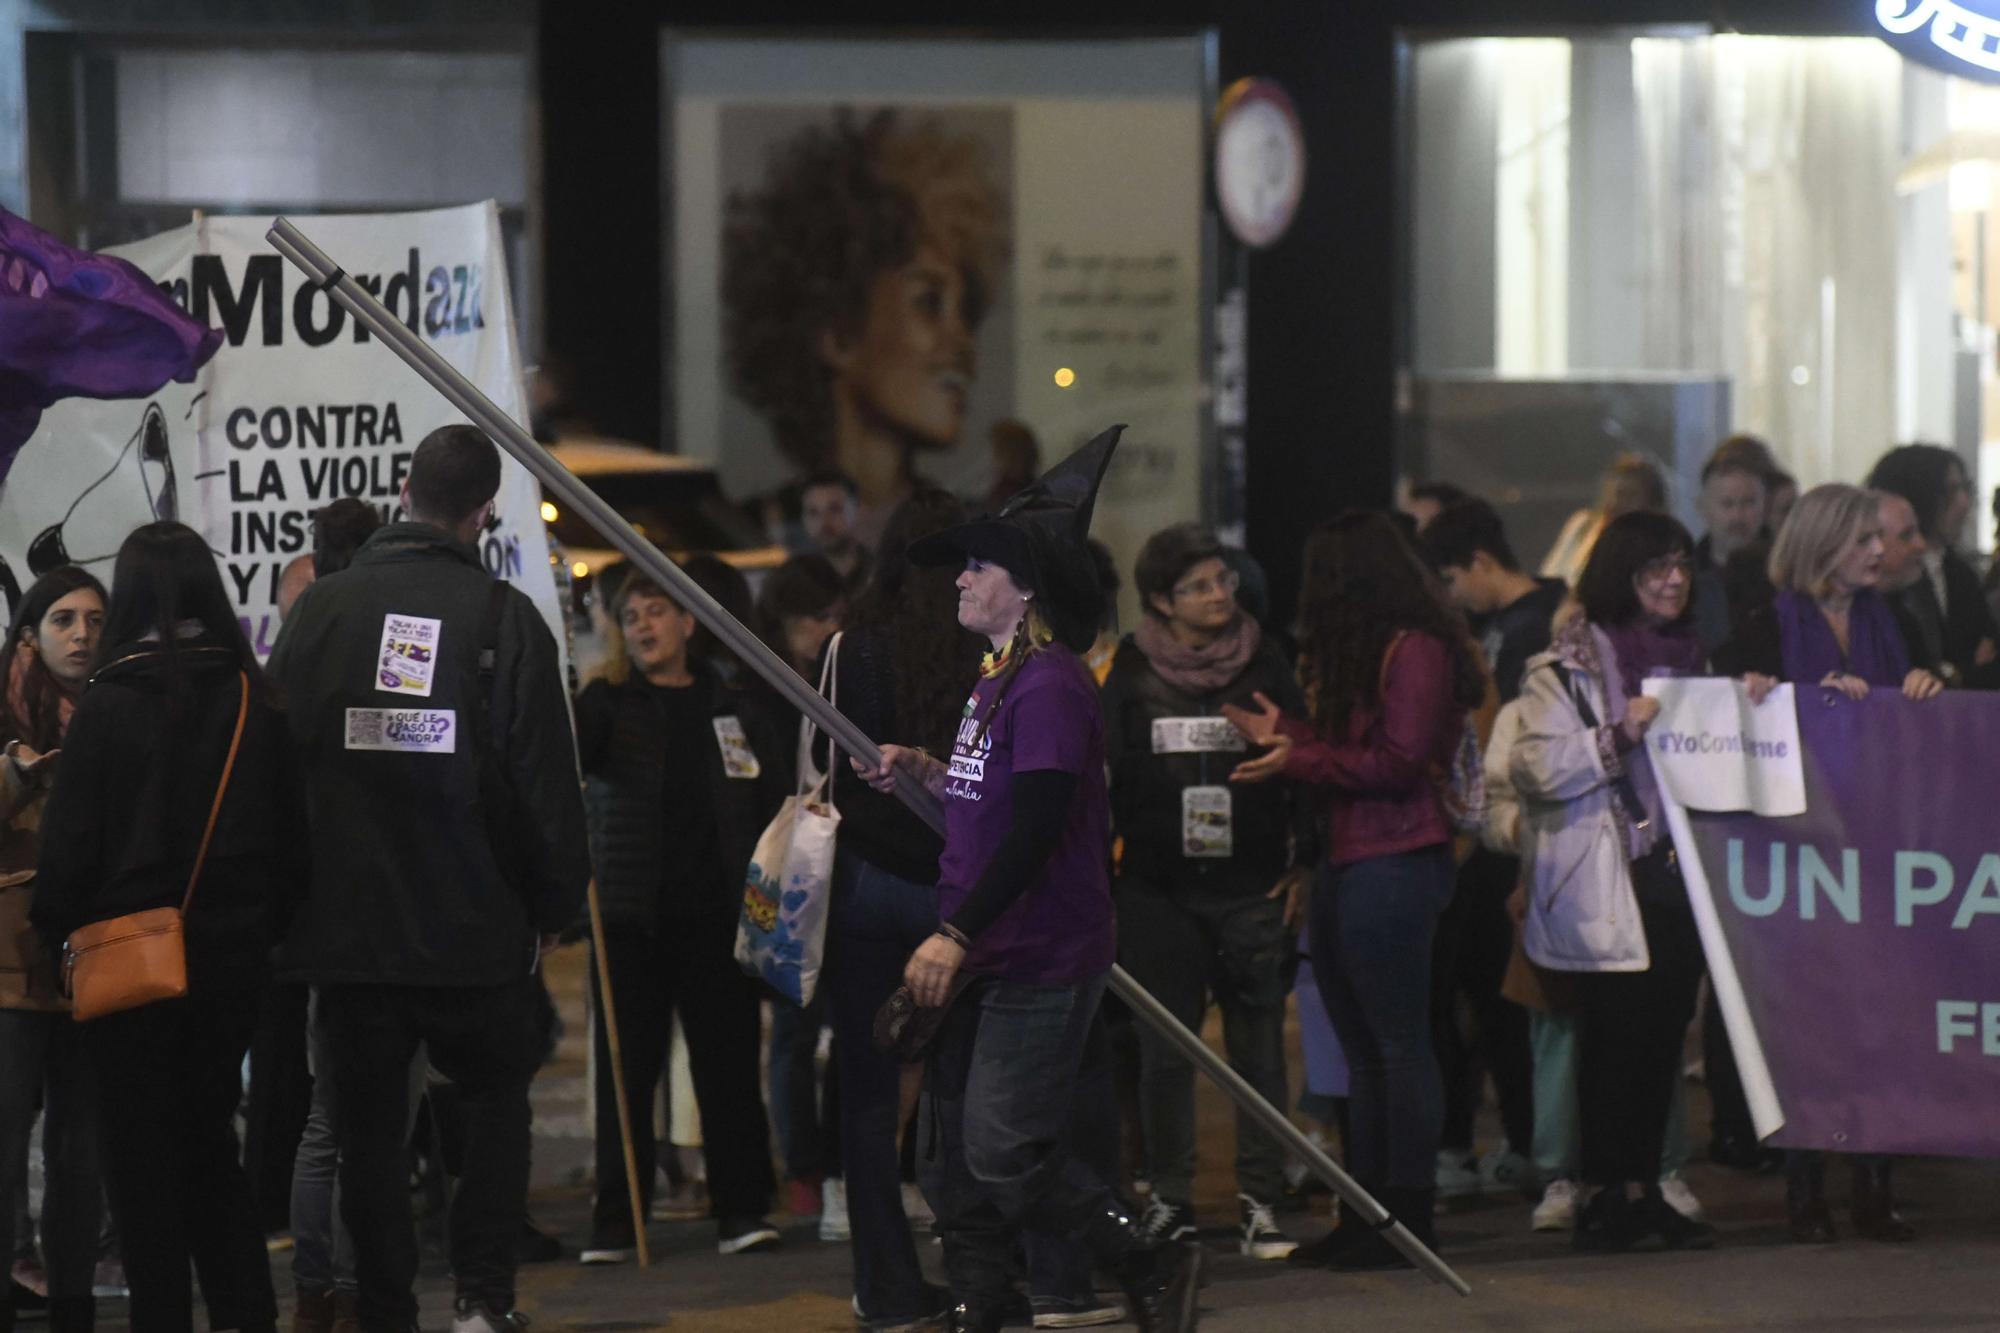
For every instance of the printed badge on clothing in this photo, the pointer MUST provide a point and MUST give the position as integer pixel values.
(1196, 735)
(1206, 824)
(403, 730)
(738, 759)
(408, 657)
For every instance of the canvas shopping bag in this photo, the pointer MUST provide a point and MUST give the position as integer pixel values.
(781, 935)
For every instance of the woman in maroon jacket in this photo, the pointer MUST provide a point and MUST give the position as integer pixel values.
(1390, 674)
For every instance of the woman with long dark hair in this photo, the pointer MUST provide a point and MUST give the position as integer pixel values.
(1605, 898)
(45, 664)
(903, 681)
(177, 691)
(1390, 675)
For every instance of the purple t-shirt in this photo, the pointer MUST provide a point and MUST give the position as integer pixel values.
(1060, 930)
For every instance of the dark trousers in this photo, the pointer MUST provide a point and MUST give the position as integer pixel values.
(874, 923)
(1184, 943)
(1475, 938)
(998, 1150)
(169, 1077)
(280, 1099)
(688, 966)
(1630, 1026)
(805, 1106)
(482, 1039)
(1372, 928)
(1729, 1108)
(44, 1065)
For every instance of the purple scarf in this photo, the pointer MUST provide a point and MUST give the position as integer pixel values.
(1651, 650)
(1199, 670)
(1875, 650)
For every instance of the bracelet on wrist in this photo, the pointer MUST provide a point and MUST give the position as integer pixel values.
(954, 934)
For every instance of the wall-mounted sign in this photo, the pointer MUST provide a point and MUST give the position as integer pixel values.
(1958, 36)
(1260, 161)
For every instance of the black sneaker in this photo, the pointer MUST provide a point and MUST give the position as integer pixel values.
(1261, 1237)
(1610, 1223)
(743, 1235)
(1166, 1222)
(472, 1316)
(1676, 1231)
(610, 1247)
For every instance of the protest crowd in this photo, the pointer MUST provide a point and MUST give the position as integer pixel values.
(1419, 814)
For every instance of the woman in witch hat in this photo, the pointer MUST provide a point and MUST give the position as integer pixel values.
(1027, 940)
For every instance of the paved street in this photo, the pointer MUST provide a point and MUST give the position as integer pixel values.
(1754, 1280)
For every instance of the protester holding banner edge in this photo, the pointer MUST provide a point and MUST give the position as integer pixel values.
(1606, 901)
(1830, 626)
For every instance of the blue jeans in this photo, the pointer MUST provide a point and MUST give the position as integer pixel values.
(1372, 926)
(998, 1128)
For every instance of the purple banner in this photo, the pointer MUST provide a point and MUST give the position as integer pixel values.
(1865, 933)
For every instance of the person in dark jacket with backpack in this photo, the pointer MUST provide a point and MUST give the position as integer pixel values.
(177, 791)
(681, 775)
(449, 850)
(1208, 887)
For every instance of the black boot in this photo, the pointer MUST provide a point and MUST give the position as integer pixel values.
(1160, 1280)
(1675, 1231)
(72, 1314)
(1875, 1215)
(313, 1311)
(966, 1317)
(1348, 1232)
(1805, 1199)
(1611, 1223)
(1414, 1208)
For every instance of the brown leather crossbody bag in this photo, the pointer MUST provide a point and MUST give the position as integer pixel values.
(141, 958)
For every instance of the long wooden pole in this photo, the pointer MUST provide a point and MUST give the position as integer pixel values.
(754, 653)
(608, 1015)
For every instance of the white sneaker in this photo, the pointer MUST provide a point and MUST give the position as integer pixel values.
(1065, 1314)
(1261, 1237)
(833, 1210)
(1457, 1175)
(1557, 1210)
(1679, 1197)
(916, 1207)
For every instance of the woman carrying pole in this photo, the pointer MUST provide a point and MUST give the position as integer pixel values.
(1026, 939)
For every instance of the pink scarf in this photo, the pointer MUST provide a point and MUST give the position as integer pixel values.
(25, 660)
(1199, 670)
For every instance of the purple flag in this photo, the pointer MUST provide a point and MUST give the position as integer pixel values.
(79, 325)
(1864, 931)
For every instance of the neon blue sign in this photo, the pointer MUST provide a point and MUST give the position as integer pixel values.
(1959, 33)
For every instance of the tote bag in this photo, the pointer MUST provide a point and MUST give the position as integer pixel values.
(781, 934)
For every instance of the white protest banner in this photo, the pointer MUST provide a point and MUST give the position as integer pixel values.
(1712, 749)
(299, 408)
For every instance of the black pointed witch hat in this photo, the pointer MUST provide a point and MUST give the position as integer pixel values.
(1039, 536)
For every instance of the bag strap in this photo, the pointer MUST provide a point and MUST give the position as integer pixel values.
(215, 807)
(1628, 795)
(829, 689)
(489, 652)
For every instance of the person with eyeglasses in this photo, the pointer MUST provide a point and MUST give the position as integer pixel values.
(1210, 888)
(1605, 901)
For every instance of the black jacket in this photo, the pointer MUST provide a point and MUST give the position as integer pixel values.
(137, 780)
(1269, 821)
(622, 737)
(875, 827)
(439, 851)
(1519, 631)
(1950, 638)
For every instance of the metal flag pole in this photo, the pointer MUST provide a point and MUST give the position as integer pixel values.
(508, 434)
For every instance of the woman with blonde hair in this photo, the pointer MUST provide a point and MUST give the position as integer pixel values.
(1828, 625)
(1632, 484)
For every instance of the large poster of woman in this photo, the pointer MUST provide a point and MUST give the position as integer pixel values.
(905, 257)
(865, 316)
